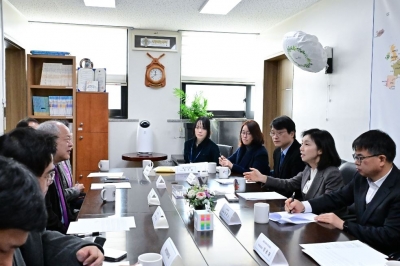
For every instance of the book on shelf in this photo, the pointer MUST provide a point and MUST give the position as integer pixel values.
(40, 105)
(56, 74)
(61, 105)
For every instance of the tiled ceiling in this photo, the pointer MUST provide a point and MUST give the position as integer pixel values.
(249, 16)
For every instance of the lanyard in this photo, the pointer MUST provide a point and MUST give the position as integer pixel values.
(191, 153)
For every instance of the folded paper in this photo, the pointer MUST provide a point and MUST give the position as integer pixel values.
(192, 179)
(159, 219)
(229, 215)
(269, 252)
(170, 254)
(160, 183)
(152, 198)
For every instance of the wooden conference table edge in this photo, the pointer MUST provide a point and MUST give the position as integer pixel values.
(245, 240)
(140, 157)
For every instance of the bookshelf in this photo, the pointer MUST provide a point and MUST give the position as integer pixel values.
(34, 88)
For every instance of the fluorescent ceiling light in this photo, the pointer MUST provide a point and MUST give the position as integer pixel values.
(100, 3)
(219, 7)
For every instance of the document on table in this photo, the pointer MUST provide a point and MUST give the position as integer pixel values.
(293, 218)
(344, 253)
(224, 181)
(107, 224)
(102, 174)
(95, 186)
(261, 196)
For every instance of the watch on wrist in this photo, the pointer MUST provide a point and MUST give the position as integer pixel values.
(345, 226)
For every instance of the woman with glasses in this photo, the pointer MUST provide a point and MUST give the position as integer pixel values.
(201, 148)
(251, 153)
(320, 175)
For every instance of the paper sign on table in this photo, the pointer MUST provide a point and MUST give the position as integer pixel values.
(113, 174)
(170, 254)
(192, 179)
(118, 185)
(185, 169)
(152, 198)
(160, 182)
(147, 170)
(159, 219)
(269, 252)
(229, 215)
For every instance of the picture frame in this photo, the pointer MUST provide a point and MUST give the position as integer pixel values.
(154, 43)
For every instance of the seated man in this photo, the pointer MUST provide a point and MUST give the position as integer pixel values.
(35, 150)
(375, 191)
(28, 122)
(22, 209)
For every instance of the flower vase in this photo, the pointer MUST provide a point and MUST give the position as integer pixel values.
(200, 207)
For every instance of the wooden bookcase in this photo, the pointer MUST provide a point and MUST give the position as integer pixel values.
(34, 74)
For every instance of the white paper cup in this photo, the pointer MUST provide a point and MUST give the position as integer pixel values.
(150, 259)
(212, 168)
(261, 213)
(104, 165)
(146, 163)
(224, 172)
(108, 193)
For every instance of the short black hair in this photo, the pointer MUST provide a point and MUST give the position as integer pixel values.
(284, 122)
(376, 142)
(33, 148)
(25, 122)
(22, 202)
(206, 125)
(325, 142)
(255, 131)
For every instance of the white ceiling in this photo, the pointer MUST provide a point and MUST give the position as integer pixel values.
(249, 16)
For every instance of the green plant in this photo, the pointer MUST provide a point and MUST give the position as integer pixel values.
(199, 196)
(197, 109)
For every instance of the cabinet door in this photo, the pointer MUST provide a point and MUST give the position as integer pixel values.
(91, 148)
(92, 112)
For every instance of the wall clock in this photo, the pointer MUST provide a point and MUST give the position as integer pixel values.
(155, 73)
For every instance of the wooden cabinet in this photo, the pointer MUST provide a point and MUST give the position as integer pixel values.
(91, 133)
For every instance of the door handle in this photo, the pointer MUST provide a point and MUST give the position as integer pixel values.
(80, 137)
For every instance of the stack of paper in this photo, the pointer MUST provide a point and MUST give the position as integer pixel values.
(294, 218)
(261, 196)
(344, 253)
(95, 186)
(108, 224)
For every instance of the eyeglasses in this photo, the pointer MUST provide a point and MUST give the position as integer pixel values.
(245, 133)
(360, 158)
(278, 134)
(50, 177)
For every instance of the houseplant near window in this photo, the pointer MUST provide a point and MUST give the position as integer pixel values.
(197, 109)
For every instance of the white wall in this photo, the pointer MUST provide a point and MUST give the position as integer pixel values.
(154, 105)
(2, 83)
(14, 24)
(347, 27)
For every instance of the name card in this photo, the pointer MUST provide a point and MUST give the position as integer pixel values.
(192, 179)
(147, 170)
(269, 252)
(160, 182)
(185, 169)
(203, 220)
(152, 198)
(159, 219)
(229, 215)
(170, 254)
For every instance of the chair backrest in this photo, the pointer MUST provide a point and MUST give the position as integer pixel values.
(225, 150)
(348, 171)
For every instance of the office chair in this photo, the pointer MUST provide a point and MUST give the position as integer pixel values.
(348, 171)
(225, 150)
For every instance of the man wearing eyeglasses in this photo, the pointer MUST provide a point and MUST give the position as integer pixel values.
(34, 149)
(287, 160)
(375, 191)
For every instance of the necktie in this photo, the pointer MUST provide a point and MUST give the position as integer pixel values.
(281, 160)
(62, 199)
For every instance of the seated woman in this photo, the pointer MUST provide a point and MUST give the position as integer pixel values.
(201, 148)
(321, 174)
(251, 152)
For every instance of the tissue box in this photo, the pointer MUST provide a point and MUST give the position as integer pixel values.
(203, 220)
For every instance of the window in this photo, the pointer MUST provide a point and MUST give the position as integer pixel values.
(224, 100)
(117, 101)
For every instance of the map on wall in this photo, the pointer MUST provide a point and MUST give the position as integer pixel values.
(385, 83)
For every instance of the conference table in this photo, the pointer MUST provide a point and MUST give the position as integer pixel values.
(225, 245)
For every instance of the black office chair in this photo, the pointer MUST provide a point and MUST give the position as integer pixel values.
(225, 150)
(348, 171)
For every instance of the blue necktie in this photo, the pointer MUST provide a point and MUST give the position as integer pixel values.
(281, 161)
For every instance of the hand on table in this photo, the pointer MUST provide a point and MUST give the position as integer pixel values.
(294, 206)
(330, 218)
(224, 162)
(255, 176)
(80, 187)
(90, 255)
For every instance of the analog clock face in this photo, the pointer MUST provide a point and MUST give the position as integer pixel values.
(155, 74)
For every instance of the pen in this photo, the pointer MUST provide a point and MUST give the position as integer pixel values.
(292, 197)
(88, 235)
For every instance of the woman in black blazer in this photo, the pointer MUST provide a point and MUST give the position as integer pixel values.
(251, 152)
(201, 148)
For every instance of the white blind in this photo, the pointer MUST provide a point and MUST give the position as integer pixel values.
(106, 47)
(219, 56)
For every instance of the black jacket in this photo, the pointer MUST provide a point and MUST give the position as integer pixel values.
(251, 156)
(207, 151)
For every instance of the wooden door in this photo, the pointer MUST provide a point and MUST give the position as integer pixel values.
(284, 88)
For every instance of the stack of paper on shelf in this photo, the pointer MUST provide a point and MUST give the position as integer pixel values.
(56, 74)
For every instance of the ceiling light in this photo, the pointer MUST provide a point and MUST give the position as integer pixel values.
(100, 3)
(219, 7)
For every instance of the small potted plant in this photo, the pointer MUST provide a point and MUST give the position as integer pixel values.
(199, 196)
(197, 109)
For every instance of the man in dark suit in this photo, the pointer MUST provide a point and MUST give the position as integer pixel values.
(374, 190)
(287, 160)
